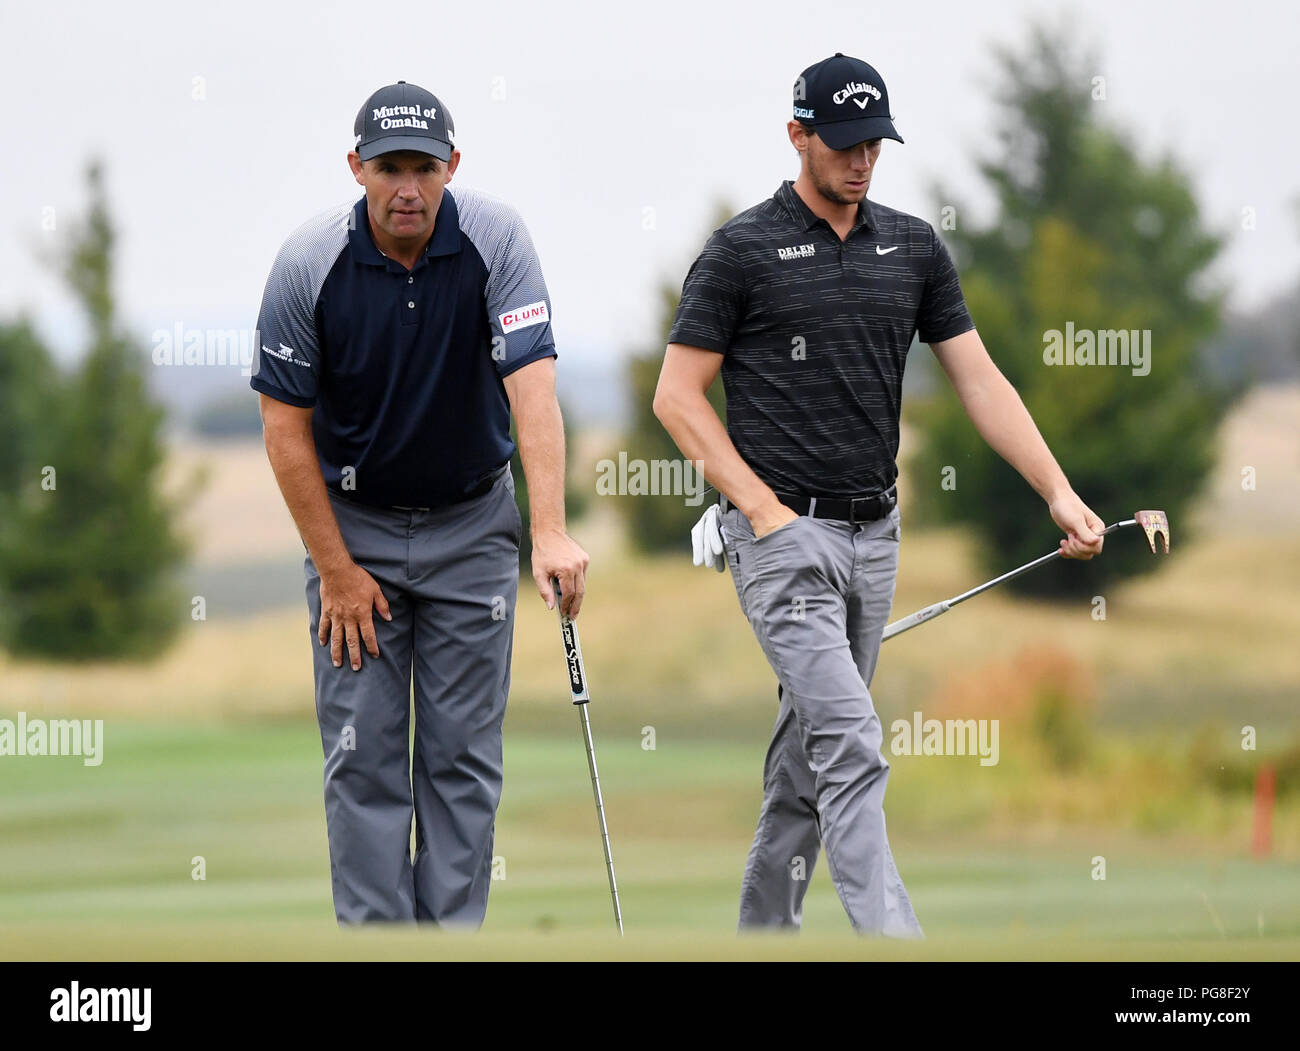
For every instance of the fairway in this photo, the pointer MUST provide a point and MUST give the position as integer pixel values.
(96, 863)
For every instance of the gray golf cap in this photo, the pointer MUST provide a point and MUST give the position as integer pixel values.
(403, 116)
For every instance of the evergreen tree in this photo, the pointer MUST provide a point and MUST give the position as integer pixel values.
(27, 380)
(91, 549)
(1086, 234)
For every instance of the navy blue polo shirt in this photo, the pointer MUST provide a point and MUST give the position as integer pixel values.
(403, 368)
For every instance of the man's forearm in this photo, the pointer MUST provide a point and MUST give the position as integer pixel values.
(540, 427)
(297, 471)
(541, 450)
(693, 424)
(1005, 424)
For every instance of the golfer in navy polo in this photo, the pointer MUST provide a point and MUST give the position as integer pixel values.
(397, 336)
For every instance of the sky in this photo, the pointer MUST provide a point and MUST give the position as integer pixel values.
(616, 131)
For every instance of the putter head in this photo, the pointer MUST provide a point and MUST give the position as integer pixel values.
(1153, 523)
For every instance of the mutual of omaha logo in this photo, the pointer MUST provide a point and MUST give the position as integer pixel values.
(403, 117)
(533, 314)
(855, 87)
(796, 252)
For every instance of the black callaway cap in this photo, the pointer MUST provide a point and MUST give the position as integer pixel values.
(844, 100)
(402, 116)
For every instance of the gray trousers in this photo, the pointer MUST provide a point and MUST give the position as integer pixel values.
(817, 594)
(451, 577)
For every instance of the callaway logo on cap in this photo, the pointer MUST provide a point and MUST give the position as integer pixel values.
(844, 100)
(404, 117)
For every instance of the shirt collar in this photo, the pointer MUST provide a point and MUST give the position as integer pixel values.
(445, 239)
(802, 214)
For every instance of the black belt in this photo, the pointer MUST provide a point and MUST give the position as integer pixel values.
(854, 511)
(479, 490)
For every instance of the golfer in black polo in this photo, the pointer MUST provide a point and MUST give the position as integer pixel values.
(397, 335)
(807, 304)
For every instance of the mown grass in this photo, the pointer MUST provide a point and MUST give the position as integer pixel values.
(98, 862)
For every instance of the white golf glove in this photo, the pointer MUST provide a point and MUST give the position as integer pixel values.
(706, 541)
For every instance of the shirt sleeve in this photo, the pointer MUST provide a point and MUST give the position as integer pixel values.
(713, 298)
(943, 312)
(289, 354)
(518, 304)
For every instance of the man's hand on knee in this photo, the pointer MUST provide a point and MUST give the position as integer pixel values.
(347, 599)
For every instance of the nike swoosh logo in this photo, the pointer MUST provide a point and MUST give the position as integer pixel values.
(862, 104)
(885, 251)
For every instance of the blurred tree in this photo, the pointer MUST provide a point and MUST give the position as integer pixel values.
(1085, 233)
(28, 379)
(661, 523)
(91, 548)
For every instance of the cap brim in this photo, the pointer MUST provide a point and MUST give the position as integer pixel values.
(842, 134)
(417, 143)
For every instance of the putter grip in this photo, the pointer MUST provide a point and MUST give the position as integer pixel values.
(576, 670)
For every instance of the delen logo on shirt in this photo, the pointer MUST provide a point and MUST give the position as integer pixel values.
(796, 252)
(533, 314)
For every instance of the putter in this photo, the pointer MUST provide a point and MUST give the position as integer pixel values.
(581, 697)
(1153, 523)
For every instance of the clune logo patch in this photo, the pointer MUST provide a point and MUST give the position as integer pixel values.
(533, 314)
(796, 252)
